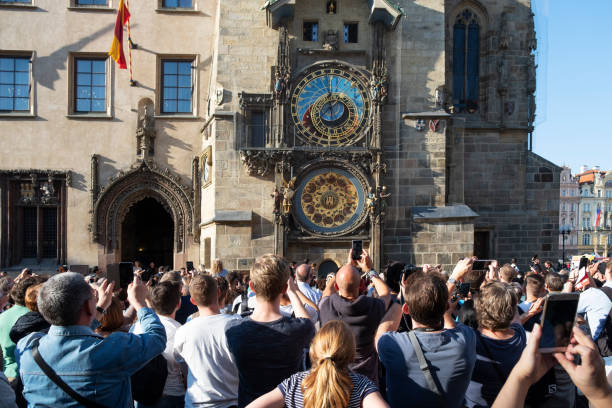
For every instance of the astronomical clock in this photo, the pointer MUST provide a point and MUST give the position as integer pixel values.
(324, 144)
(331, 106)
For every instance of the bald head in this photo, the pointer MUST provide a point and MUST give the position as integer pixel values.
(302, 272)
(348, 280)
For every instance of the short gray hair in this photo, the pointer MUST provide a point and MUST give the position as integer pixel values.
(61, 298)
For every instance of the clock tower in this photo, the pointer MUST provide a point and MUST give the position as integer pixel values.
(324, 114)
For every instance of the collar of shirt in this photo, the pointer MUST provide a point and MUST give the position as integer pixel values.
(71, 331)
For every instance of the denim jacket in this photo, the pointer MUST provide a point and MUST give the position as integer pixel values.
(97, 368)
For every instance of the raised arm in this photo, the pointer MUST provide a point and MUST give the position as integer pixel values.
(390, 322)
(298, 307)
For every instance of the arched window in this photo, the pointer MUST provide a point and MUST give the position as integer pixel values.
(466, 46)
(586, 239)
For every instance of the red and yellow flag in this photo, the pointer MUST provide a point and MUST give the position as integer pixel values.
(116, 50)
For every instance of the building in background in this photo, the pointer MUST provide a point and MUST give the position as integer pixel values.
(595, 211)
(569, 205)
(291, 128)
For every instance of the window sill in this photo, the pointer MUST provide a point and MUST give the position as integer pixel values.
(89, 116)
(99, 9)
(17, 115)
(18, 5)
(163, 116)
(177, 11)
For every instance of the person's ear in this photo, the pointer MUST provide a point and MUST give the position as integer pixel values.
(405, 309)
(88, 309)
(251, 286)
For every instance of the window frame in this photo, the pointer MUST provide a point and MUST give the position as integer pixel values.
(479, 17)
(346, 38)
(109, 75)
(163, 8)
(309, 21)
(14, 3)
(159, 112)
(31, 112)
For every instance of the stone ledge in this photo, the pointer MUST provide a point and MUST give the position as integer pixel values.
(447, 213)
(228, 216)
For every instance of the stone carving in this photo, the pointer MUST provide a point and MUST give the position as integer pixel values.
(277, 201)
(280, 85)
(143, 179)
(382, 197)
(504, 35)
(330, 40)
(371, 201)
(248, 99)
(331, 7)
(420, 125)
(47, 191)
(288, 193)
(145, 132)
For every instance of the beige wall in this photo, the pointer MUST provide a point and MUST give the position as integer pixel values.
(50, 140)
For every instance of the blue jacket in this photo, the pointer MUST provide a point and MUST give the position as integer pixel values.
(97, 368)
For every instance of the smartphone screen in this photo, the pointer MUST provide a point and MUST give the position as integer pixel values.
(126, 274)
(557, 321)
(189, 265)
(357, 247)
(479, 265)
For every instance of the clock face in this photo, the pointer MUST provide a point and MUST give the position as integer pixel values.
(330, 107)
(329, 201)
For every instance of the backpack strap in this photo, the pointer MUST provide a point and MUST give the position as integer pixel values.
(432, 384)
(59, 382)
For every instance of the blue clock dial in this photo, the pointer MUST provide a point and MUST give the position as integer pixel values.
(330, 106)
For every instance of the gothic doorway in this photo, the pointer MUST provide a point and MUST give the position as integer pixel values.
(147, 233)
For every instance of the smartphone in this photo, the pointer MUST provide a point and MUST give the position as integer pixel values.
(480, 264)
(463, 289)
(126, 274)
(112, 274)
(357, 246)
(558, 319)
(189, 265)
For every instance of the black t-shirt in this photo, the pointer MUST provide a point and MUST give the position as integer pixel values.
(267, 353)
(363, 315)
(187, 309)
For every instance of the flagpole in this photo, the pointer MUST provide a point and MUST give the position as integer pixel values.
(132, 82)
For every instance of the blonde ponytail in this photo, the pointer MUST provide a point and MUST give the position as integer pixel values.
(329, 385)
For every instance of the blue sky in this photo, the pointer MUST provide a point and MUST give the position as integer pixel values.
(574, 82)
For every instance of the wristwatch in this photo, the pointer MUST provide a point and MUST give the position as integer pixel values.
(452, 280)
(100, 310)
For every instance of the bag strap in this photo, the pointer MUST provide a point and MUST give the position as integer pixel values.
(424, 366)
(59, 382)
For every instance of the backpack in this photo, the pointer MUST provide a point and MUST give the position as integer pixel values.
(604, 341)
(148, 383)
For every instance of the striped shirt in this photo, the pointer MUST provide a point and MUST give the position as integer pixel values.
(291, 389)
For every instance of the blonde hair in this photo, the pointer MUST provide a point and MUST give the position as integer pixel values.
(329, 384)
(269, 276)
(217, 267)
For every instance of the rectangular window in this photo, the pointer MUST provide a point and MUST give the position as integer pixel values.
(311, 31)
(14, 84)
(563, 192)
(177, 3)
(587, 207)
(257, 126)
(586, 222)
(350, 32)
(90, 85)
(16, 1)
(177, 86)
(90, 2)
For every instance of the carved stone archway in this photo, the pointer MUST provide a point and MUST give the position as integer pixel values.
(144, 179)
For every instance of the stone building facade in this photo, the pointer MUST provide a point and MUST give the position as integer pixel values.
(404, 124)
(569, 211)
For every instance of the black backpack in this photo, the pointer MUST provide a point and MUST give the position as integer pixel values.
(148, 382)
(604, 341)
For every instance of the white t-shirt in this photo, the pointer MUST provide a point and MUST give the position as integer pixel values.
(174, 383)
(213, 377)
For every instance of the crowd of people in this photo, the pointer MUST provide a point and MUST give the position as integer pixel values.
(281, 336)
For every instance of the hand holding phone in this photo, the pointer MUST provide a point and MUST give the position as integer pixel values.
(356, 249)
(558, 320)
